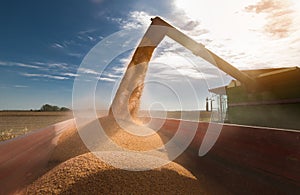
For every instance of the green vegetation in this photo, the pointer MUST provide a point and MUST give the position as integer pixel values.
(50, 108)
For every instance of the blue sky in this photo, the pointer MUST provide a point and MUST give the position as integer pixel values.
(42, 44)
(43, 40)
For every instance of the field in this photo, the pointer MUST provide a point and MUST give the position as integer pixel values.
(15, 123)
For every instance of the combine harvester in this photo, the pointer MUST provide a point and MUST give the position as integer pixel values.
(243, 159)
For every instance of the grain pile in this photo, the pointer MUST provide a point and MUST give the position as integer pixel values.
(81, 172)
(70, 144)
(126, 138)
(86, 174)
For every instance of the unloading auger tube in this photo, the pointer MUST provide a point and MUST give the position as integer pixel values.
(127, 99)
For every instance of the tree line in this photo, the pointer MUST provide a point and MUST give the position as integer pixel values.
(48, 107)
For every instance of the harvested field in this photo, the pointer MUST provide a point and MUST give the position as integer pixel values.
(15, 123)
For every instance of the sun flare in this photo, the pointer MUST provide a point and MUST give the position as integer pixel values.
(266, 30)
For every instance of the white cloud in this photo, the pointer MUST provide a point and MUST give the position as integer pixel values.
(83, 32)
(70, 74)
(106, 79)
(240, 37)
(77, 55)
(54, 66)
(88, 71)
(27, 65)
(3, 63)
(45, 76)
(46, 67)
(20, 86)
(170, 64)
(57, 45)
(18, 64)
(85, 37)
(168, 52)
(227, 29)
(112, 75)
(119, 70)
(135, 20)
(279, 16)
(58, 65)
(90, 38)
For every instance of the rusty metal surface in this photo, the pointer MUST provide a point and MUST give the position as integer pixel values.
(23, 158)
(248, 159)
